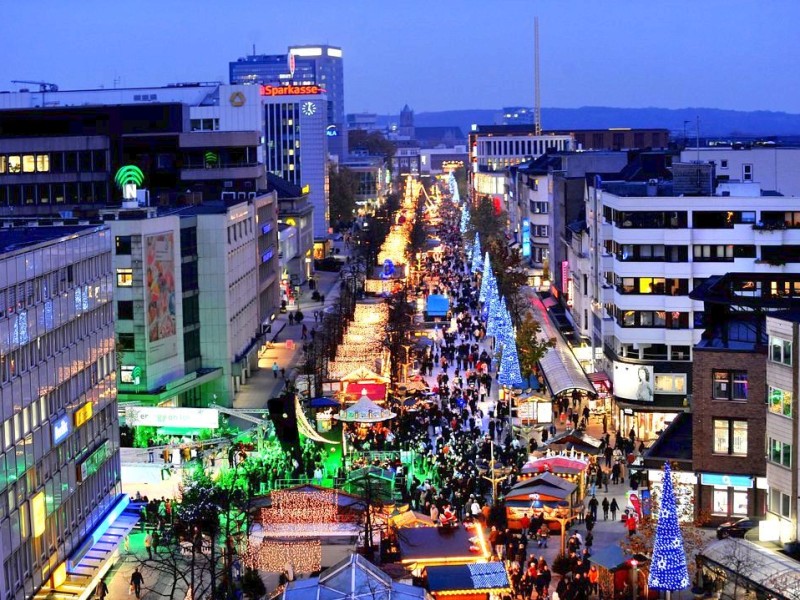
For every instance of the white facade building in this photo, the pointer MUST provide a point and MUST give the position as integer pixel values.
(782, 413)
(773, 168)
(648, 250)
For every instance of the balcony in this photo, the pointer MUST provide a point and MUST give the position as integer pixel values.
(607, 294)
(606, 262)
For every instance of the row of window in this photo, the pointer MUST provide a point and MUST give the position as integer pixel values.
(54, 193)
(730, 437)
(780, 351)
(652, 318)
(84, 161)
(780, 503)
(648, 252)
(654, 352)
(729, 385)
(653, 285)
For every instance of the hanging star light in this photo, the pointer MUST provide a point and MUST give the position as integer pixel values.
(668, 569)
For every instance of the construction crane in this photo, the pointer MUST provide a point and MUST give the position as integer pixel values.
(537, 106)
(44, 86)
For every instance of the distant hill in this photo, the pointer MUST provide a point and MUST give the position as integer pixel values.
(713, 122)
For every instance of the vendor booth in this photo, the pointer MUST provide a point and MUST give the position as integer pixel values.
(431, 546)
(573, 439)
(617, 569)
(545, 494)
(480, 581)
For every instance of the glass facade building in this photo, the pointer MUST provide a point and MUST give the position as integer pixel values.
(59, 430)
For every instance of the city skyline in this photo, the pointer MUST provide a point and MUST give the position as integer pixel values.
(428, 55)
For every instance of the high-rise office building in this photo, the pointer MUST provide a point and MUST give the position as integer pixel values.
(303, 66)
(60, 469)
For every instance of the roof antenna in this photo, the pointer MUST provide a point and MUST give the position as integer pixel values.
(537, 107)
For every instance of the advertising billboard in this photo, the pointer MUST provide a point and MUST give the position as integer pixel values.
(159, 265)
(633, 382)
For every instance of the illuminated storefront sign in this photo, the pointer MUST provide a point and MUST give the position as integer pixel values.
(526, 238)
(291, 90)
(60, 429)
(83, 414)
(726, 480)
(331, 131)
(92, 463)
(152, 416)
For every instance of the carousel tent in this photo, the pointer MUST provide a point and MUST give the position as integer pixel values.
(437, 306)
(575, 440)
(365, 411)
(353, 577)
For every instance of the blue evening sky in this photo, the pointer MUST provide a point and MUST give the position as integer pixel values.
(431, 54)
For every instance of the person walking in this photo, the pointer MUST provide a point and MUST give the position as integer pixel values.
(136, 582)
(614, 508)
(605, 506)
(148, 545)
(291, 318)
(630, 524)
(593, 503)
(275, 369)
(102, 590)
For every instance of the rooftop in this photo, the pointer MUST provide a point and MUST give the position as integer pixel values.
(19, 238)
(675, 443)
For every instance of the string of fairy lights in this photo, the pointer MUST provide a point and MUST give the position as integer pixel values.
(302, 555)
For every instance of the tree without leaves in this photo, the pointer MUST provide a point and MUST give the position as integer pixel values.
(371, 142)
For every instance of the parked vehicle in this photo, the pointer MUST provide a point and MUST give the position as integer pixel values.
(737, 528)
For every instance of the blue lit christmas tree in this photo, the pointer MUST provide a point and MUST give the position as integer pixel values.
(477, 259)
(464, 219)
(487, 280)
(510, 374)
(668, 566)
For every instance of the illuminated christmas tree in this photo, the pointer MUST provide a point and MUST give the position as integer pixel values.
(487, 280)
(668, 569)
(510, 374)
(477, 260)
(464, 219)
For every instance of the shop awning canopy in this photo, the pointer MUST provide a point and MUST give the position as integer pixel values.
(478, 578)
(323, 402)
(555, 464)
(364, 411)
(773, 574)
(563, 372)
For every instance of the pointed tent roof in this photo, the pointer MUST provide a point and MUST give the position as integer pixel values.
(365, 411)
(579, 440)
(352, 578)
(548, 485)
(364, 374)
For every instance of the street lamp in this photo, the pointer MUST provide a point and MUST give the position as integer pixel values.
(562, 514)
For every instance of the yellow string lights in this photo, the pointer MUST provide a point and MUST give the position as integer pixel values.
(302, 556)
(294, 507)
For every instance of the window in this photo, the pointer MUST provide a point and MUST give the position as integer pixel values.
(670, 383)
(729, 501)
(730, 385)
(124, 277)
(43, 163)
(779, 503)
(28, 163)
(780, 402)
(780, 351)
(14, 164)
(779, 452)
(123, 243)
(127, 342)
(125, 310)
(747, 172)
(730, 437)
(723, 164)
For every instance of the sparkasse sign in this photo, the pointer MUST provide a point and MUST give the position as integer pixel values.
(291, 90)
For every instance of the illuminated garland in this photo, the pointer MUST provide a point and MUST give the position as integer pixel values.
(301, 507)
(304, 556)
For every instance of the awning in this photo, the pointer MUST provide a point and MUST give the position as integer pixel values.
(549, 301)
(323, 402)
(563, 372)
(769, 572)
(600, 379)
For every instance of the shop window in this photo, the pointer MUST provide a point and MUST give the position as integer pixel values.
(729, 501)
(730, 437)
(730, 385)
(780, 402)
(670, 383)
(124, 277)
(780, 351)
